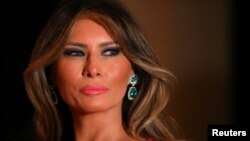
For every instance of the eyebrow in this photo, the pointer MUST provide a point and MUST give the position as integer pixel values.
(77, 44)
(83, 45)
(108, 43)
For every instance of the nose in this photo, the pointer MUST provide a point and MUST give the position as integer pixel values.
(92, 67)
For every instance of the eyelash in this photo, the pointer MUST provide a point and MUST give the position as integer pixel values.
(111, 51)
(74, 52)
(79, 53)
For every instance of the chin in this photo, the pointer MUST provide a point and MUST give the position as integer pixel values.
(92, 108)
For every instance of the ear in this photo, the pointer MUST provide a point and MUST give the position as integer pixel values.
(132, 72)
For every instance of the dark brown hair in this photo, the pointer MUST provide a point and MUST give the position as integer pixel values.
(142, 117)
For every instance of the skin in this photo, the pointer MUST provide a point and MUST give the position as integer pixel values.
(92, 58)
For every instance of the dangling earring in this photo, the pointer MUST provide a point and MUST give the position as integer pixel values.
(54, 96)
(132, 92)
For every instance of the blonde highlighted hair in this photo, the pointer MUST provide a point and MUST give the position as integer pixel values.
(142, 117)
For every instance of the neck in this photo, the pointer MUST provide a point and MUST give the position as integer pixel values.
(100, 126)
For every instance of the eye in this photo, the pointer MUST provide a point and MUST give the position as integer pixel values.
(74, 52)
(111, 51)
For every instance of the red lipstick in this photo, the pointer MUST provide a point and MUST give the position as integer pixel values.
(93, 90)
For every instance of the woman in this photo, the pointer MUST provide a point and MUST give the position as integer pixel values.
(93, 56)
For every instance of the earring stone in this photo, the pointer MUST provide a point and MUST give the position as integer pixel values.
(132, 92)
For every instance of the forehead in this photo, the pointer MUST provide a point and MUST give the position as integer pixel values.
(112, 26)
(106, 21)
(88, 29)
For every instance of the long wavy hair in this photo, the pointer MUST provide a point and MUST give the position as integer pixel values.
(142, 118)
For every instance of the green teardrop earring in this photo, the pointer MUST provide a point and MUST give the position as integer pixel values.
(132, 92)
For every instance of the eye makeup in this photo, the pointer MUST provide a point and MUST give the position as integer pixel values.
(75, 49)
(73, 52)
(111, 51)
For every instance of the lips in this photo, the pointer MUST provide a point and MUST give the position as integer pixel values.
(93, 90)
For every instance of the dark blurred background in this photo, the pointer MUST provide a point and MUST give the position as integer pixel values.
(203, 42)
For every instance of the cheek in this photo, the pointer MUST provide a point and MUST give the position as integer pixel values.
(119, 73)
(68, 72)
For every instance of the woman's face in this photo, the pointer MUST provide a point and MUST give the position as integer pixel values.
(92, 73)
